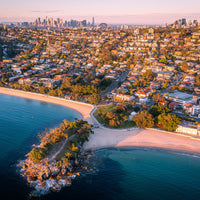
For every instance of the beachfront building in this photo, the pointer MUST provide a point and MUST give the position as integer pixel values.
(50, 83)
(27, 80)
(189, 129)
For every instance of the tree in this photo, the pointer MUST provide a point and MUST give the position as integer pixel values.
(59, 92)
(94, 99)
(169, 121)
(148, 75)
(165, 84)
(74, 148)
(156, 110)
(184, 66)
(37, 154)
(198, 80)
(64, 162)
(111, 119)
(66, 85)
(120, 108)
(43, 90)
(1, 52)
(53, 92)
(26, 56)
(164, 61)
(158, 98)
(113, 123)
(68, 154)
(144, 119)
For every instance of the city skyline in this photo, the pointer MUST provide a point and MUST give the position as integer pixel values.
(113, 12)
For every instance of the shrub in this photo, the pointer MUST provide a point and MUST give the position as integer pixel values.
(37, 154)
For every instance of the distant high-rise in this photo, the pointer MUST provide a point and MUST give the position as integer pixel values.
(184, 22)
(93, 21)
(58, 23)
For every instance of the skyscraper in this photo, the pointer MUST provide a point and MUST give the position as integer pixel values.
(93, 21)
(184, 22)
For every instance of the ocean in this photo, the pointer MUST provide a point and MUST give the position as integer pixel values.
(113, 174)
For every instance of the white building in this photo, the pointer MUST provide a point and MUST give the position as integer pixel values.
(191, 130)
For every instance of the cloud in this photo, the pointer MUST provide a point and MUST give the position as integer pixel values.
(53, 11)
(47, 11)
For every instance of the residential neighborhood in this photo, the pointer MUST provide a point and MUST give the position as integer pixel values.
(104, 64)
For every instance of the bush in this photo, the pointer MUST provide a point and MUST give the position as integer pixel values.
(144, 119)
(37, 154)
(169, 121)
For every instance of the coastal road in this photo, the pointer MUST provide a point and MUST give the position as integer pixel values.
(115, 84)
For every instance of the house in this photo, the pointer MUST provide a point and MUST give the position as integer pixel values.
(164, 103)
(141, 94)
(68, 96)
(27, 80)
(17, 69)
(188, 108)
(173, 105)
(189, 77)
(132, 79)
(196, 110)
(145, 92)
(123, 97)
(143, 100)
(155, 85)
(50, 83)
(165, 75)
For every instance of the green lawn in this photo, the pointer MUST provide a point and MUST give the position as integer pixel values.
(110, 108)
(127, 124)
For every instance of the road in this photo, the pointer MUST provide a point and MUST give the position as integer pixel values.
(115, 84)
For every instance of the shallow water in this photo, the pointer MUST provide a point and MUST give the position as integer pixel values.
(118, 174)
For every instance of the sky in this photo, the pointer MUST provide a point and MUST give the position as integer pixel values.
(108, 11)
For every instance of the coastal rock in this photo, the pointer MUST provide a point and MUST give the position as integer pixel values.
(31, 179)
(44, 176)
(25, 166)
(63, 171)
(54, 171)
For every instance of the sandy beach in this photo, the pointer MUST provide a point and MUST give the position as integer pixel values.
(104, 137)
(83, 108)
(137, 137)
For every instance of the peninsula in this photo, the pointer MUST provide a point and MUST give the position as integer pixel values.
(55, 162)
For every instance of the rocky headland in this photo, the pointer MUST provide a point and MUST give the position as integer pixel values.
(59, 157)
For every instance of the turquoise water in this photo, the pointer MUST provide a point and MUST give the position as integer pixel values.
(22, 119)
(137, 174)
(118, 174)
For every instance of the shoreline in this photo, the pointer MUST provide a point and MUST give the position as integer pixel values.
(146, 148)
(143, 138)
(83, 108)
(104, 137)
